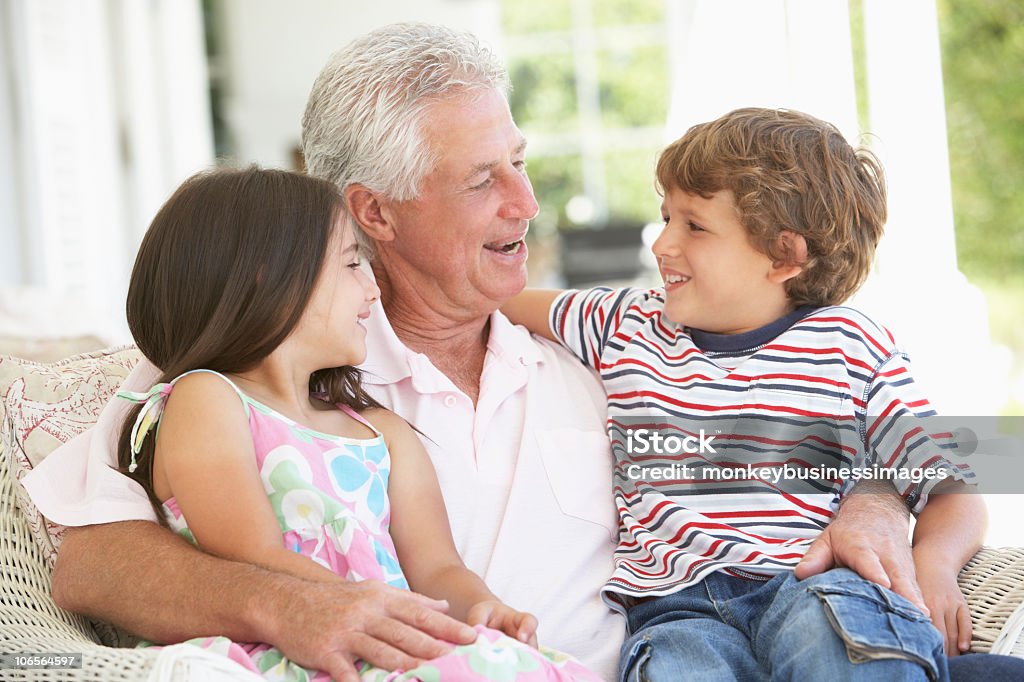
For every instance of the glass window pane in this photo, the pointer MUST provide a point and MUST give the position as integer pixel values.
(544, 92)
(630, 186)
(533, 16)
(634, 86)
(556, 179)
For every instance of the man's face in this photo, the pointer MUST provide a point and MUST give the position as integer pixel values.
(461, 241)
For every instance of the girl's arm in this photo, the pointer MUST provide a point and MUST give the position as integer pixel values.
(530, 308)
(205, 458)
(423, 537)
(949, 531)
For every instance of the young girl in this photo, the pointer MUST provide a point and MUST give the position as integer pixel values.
(258, 443)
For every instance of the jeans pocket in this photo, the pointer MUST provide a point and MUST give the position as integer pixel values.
(876, 623)
(631, 667)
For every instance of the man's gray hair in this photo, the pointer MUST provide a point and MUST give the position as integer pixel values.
(364, 116)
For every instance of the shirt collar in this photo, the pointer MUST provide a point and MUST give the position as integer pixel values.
(709, 342)
(512, 343)
(389, 361)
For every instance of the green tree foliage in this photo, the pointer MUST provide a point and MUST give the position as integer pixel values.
(530, 16)
(630, 182)
(556, 179)
(544, 92)
(625, 12)
(633, 86)
(983, 68)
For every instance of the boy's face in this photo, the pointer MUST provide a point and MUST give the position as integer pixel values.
(715, 280)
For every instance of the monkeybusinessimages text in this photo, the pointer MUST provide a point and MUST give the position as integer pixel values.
(648, 442)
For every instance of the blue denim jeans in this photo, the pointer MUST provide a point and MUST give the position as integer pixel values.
(987, 667)
(835, 626)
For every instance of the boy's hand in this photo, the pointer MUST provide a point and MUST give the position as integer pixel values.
(501, 616)
(949, 611)
(949, 614)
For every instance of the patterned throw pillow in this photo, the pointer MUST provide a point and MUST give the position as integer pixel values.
(45, 405)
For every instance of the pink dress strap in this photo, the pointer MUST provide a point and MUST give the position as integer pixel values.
(358, 417)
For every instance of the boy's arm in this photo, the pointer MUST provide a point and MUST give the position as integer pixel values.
(582, 321)
(532, 309)
(949, 531)
(869, 534)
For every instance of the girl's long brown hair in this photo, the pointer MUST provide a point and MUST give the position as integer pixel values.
(223, 276)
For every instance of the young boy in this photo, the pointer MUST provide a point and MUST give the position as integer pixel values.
(777, 400)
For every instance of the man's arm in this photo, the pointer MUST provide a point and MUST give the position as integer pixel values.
(871, 536)
(149, 581)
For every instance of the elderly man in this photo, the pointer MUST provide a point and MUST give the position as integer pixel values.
(412, 123)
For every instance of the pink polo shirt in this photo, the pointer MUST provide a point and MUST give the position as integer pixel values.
(526, 476)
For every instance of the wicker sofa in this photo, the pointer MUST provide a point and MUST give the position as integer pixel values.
(43, 405)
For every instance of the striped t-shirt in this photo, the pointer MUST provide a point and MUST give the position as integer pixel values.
(759, 434)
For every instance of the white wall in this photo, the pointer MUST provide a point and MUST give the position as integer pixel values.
(273, 52)
(104, 110)
(11, 254)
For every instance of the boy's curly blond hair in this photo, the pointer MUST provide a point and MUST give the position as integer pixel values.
(789, 171)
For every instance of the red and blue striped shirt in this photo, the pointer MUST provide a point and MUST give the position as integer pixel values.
(821, 396)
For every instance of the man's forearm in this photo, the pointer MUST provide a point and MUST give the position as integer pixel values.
(870, 534)
(876, 495)
(151, 582)
(147, 580)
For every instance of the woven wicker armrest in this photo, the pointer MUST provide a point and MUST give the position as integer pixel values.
(993, 583)
(31, 623)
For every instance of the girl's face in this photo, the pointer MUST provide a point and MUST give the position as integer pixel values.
(331, 327)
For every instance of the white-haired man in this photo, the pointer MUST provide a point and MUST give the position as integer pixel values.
(413, 125)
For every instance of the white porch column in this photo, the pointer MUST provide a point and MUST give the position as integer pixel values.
(793, 54)
(110, 112)
(917, 290)
(797, 54)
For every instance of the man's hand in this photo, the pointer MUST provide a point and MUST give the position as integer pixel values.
(330, 625)
(870, 535)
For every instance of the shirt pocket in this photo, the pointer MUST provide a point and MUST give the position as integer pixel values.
(804, 432)
(578, 465)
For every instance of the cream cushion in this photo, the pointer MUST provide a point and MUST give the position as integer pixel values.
(46, 405)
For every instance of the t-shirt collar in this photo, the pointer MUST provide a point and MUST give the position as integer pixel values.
(735, 343)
